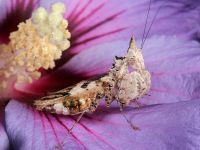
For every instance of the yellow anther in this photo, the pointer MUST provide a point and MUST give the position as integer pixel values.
(36, 44)
(54, 19)
(57, 35)
(64, 23)
(67, 34)
(40, 15)
(20, 62)
(36, 75)
(30, 69)
(52, 65)
(20, 78)
(30, 80)
(3, 84)
(7, 74)
(65, 44)
(11, 69)
(58, 7)
(44, 29)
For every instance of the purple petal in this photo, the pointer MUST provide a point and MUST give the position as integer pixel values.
(171, 64)
(4, 144)
(161, 127)
(93, 22)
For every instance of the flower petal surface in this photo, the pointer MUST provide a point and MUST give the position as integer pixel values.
(162, 127)
(4, 144)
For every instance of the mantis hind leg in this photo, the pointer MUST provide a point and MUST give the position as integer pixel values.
(77, 121)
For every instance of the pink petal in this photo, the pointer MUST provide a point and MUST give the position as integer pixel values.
(12, 13)
(86, 68)
(161, 127)
(93, 22)
(4, 144)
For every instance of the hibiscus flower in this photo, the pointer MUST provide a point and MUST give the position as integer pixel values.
(99, 31)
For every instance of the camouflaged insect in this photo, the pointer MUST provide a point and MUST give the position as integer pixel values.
(127, 80)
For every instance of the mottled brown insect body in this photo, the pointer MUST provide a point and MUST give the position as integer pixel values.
(84, 96)
(119, 84)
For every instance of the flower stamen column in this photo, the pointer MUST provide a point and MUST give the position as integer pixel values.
(37, 43)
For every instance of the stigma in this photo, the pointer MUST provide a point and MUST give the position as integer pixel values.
(37, 43)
